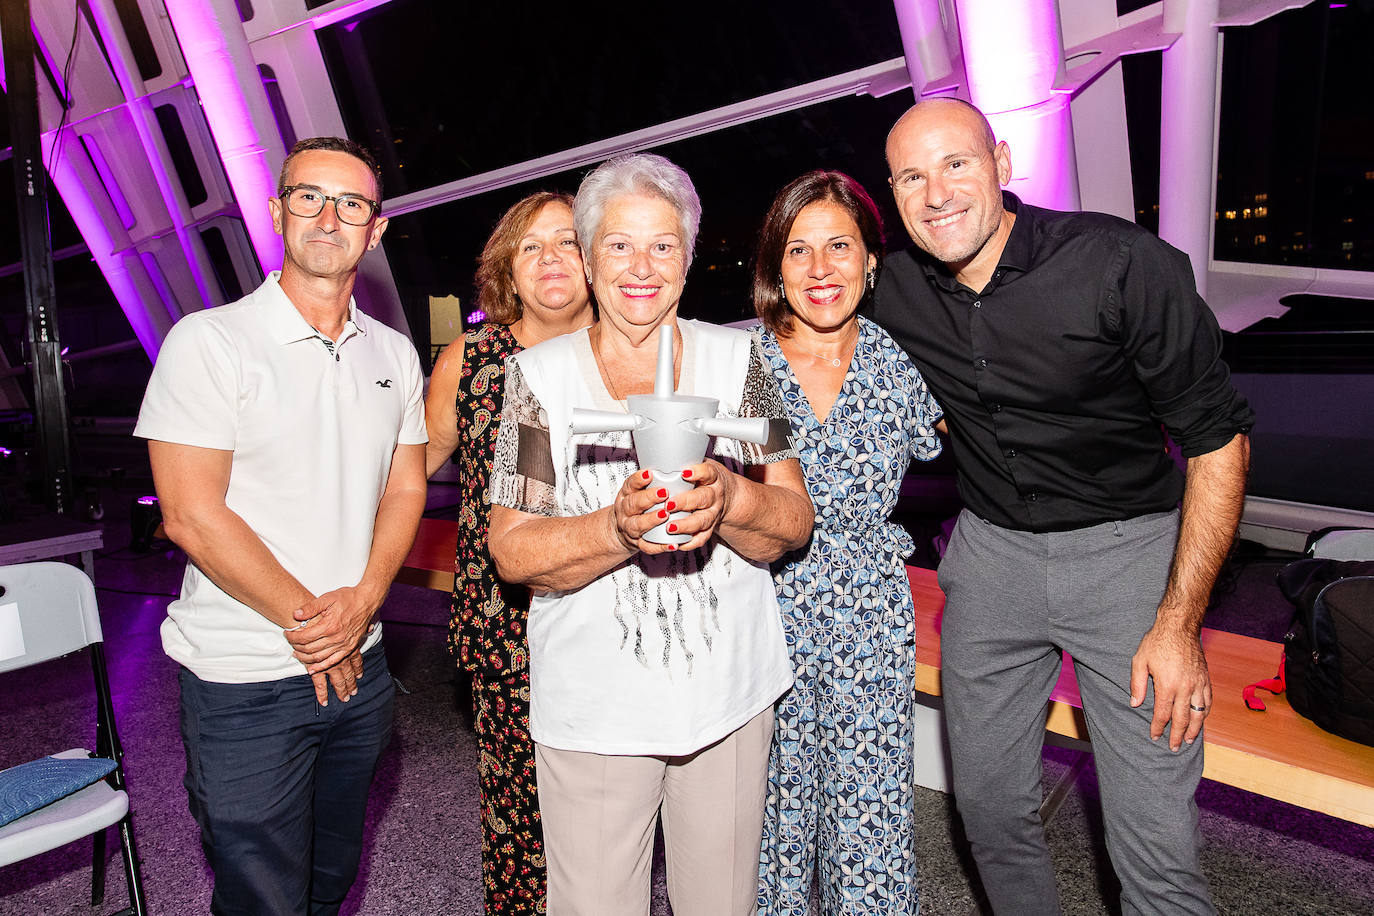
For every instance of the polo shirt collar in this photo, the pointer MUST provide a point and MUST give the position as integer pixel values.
(1016, 255)
(285, 324)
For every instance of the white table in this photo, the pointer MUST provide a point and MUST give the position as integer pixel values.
(51, 536)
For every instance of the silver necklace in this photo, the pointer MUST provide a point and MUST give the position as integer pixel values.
(835, 361)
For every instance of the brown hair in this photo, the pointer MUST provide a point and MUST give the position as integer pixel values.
(332, 145)
(813, 187)
(495, 282)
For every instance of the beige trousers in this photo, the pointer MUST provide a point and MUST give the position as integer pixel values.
(599, 811)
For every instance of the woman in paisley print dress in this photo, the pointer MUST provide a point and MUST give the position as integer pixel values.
(532, 286)
(839, 806)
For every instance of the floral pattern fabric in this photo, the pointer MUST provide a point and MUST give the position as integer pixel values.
(487, 636)
(839, 802)
(487, 626)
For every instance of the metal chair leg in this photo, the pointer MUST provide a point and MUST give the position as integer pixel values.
(132, 867)
(97, 868)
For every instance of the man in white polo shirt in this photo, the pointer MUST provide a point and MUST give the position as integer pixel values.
(286, 434)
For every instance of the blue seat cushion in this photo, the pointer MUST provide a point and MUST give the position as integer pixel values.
(29, 786)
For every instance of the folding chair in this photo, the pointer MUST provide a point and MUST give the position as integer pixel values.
(48, 610)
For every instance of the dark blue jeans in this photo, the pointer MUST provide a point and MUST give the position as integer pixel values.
(278, 785)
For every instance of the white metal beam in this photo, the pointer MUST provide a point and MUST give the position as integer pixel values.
(878, 80)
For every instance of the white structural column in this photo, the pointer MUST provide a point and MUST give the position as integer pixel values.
(294, 56)
(1013, 56)
(923, 41)
(1188, 103)
(120, 58)
(216, 50)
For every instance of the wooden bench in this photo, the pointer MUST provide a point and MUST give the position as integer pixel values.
(1276, 753)
(430, 561)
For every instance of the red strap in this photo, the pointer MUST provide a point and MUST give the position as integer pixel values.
(1274, 685)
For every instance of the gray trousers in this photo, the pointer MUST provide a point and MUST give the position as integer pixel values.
(1015, 599)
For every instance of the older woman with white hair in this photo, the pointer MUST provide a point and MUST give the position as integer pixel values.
(654, 667)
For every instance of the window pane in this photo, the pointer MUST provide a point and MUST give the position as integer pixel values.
(1130, 6)
(1141, 74)
(61, 229)
(183, 159)
(87, 317)
(488, 85)
(1295, 170)
(433, 252)
(140, 42)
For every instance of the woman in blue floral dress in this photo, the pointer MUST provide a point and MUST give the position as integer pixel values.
(839, 804)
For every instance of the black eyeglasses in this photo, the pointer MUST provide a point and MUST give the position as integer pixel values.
(308, 203)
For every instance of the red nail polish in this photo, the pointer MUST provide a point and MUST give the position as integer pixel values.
(670, 505)
(672, 529)
(662, 493)
(687, 474)
(645, 474)
(662, 514)
(672, 547)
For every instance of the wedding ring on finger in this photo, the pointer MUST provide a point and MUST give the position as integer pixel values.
(1197, 708)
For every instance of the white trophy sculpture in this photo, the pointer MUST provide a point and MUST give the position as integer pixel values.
(670, 432)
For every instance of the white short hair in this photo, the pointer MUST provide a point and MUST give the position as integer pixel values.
(636, 173)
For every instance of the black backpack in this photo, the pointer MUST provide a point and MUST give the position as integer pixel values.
(1329, 648)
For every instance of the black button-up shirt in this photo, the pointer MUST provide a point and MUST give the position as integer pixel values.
(1057, 377)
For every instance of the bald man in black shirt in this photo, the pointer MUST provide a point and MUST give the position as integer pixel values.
(1062, 346)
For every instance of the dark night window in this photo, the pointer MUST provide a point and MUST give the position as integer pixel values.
(1295, 166)
(278, 105)
(1130, 6)
(1140, 77)
(223, 264)
(433, 252)
(183, 160)
(140, 42)
(484, 85)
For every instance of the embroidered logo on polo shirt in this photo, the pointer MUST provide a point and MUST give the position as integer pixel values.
(384, 383)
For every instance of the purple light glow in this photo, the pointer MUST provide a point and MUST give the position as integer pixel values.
(477, 317)
(1012, 56)
(65, 176)
(140, 115)
(147, 500)
(216, 50)
(1043, 166)
(5, 452)
(1011, 51)
(150, 325)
